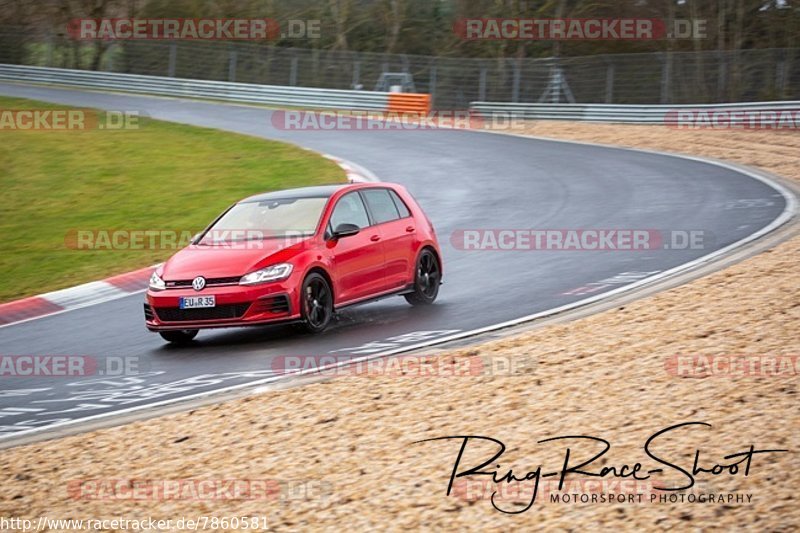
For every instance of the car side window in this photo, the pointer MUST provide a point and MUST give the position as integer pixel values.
(350, 210)
(381, 205)
(400, 205)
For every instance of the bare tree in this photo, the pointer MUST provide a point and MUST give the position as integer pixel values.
(340, 11)
(394, 16)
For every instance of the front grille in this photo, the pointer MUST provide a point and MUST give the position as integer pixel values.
(278, 305)
(148, 313)
(221, 312)
(210, 282)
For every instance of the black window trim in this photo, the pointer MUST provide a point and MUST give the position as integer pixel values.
(370, 215)
(366, 206)
(329, 227)
(369, 211)
(395, 198)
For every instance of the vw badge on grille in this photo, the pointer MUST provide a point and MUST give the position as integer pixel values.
(198, 283)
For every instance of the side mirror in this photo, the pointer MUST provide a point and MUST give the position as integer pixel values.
(345, 230)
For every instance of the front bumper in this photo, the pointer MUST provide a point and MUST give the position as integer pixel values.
(236, 306)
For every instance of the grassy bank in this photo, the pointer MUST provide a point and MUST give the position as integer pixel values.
(161, 176)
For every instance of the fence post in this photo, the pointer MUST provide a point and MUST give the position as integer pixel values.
(173, 59)
(610, 82)
(432, 88)
(232, 65)
(515, 86)
(780, 74)
(356, 74)
(49, 60)
(110, 57)
(315, 70)
(293, 72)
(482, 85)
(666, 68)
(722, 74)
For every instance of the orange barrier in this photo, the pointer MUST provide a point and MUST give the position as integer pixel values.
(409, 103)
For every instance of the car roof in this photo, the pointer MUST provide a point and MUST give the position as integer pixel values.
(319, 191)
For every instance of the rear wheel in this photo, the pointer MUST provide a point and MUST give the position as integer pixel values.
(182, 336)
(426, 280)
(316, 301)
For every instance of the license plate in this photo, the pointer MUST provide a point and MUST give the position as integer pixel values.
(196, 302)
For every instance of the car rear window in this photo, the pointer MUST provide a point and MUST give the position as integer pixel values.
(381, 205)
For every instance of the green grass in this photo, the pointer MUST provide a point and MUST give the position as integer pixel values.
(161, 176)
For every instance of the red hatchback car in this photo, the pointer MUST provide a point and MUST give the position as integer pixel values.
(297, 256)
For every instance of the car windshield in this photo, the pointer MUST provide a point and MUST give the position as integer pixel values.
(280, 217)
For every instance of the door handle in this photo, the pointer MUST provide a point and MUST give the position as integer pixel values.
(410, 229)
(375, 238)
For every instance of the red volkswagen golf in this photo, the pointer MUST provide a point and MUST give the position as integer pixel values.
(297, 256)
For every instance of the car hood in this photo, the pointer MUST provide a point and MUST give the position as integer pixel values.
(227, 260)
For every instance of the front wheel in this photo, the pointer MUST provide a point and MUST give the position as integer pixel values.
(182, 336)
(316, 301)
(426, 280)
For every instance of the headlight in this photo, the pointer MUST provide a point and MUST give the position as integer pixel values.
(272, 273)
(156, 283)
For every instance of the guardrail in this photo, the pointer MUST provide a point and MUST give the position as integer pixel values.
(278, 95)
(216, 90)
(634, 114)
(409, 103)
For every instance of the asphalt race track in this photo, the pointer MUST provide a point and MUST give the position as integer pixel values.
(464, 180)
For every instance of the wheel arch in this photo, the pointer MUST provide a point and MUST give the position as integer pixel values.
(432, 248)
(324, 273)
